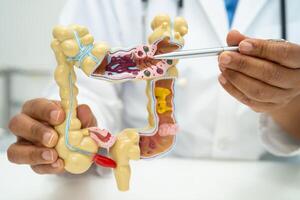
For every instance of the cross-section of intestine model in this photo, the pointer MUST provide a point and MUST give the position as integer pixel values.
(74, 47)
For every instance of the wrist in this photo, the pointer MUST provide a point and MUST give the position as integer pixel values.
(288, 117)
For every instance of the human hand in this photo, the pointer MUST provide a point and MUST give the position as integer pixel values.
(36, 137)
(264, 74)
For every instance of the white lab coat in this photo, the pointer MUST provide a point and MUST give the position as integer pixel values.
(212, 123)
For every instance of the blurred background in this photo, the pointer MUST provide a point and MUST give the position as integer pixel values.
(26, 36)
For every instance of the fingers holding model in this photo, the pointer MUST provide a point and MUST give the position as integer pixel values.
(36, 137)
(264, 74)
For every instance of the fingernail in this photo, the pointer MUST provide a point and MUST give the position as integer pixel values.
(47, 155)
(245, 46)
(54, 115)
(222, 68)
(56, 164)
(47, 138)
(222, 79)
(235, 30)
(225, 59)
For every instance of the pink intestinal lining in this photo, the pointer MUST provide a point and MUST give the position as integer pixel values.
(135, 63)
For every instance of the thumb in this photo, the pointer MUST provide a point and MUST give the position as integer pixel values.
(86, 116)
(234, 37)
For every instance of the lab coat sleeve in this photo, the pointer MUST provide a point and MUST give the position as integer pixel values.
(275, 139)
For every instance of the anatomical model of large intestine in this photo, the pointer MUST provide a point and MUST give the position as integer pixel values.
(74, 47)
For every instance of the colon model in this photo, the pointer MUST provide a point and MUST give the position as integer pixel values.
(138, 63)
(160, 136)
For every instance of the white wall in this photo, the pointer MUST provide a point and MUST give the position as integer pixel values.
(25, 35)
(25, 31)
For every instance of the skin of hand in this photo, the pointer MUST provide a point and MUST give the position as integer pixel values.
(36, 137)
(265, 76)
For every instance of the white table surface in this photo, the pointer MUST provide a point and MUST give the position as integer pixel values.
(166, 178)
